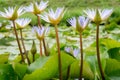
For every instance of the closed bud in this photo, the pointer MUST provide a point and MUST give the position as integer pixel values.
(33, 49)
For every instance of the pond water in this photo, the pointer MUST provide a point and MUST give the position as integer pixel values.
(8, 42)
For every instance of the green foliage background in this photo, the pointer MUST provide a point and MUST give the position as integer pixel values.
(74, 7)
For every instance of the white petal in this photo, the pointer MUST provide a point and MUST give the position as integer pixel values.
(43, 5)
(72, 22)
(90, 13)
(81, 21)
(23, 22)
(45, 17)
(106, 13)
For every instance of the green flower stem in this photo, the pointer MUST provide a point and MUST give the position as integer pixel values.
(41, 48)
(98, 53)
(81, 61)
(44, 45)
(16, 34)
(24, 47)
(59, 55)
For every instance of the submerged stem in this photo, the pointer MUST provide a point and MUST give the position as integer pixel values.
(81, 62)
(59, 55)
(16, 34)
(24, 47)
(98, 53)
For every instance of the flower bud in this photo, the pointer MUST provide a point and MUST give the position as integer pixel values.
(33, 49)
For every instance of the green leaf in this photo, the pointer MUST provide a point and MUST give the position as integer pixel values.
(20, 69)
(7, 72)
(112, 68)
(50, 68)
(110, 43)
(90, 51)
(4, 58)
(38, 63)
(114, 53)
(75, 69)
(93, 62)
(17, 59)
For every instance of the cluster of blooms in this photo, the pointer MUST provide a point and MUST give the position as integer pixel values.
(96, 15)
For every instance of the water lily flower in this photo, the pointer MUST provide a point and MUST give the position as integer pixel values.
(40, 32)
(37, 8)
(22, 22)
(79, 24)
(72, 51)
(98, 15)
(75, 52)
(69, 49)
(52, 16)
(12, 13)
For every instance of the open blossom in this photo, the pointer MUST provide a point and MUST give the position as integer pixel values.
(72, 51)
(76, 52)
(79, 24)
(40, 32)
(22, 22)
(52, 16)
(69, 49)
(12, 13)
(98, 15)
(37, 8)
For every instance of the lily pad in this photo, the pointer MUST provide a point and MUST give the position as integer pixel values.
(50, 68)
(114, 53)
(75, 69)
(113, 69)
(110, 43)
(20, 69)
(7, 72)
